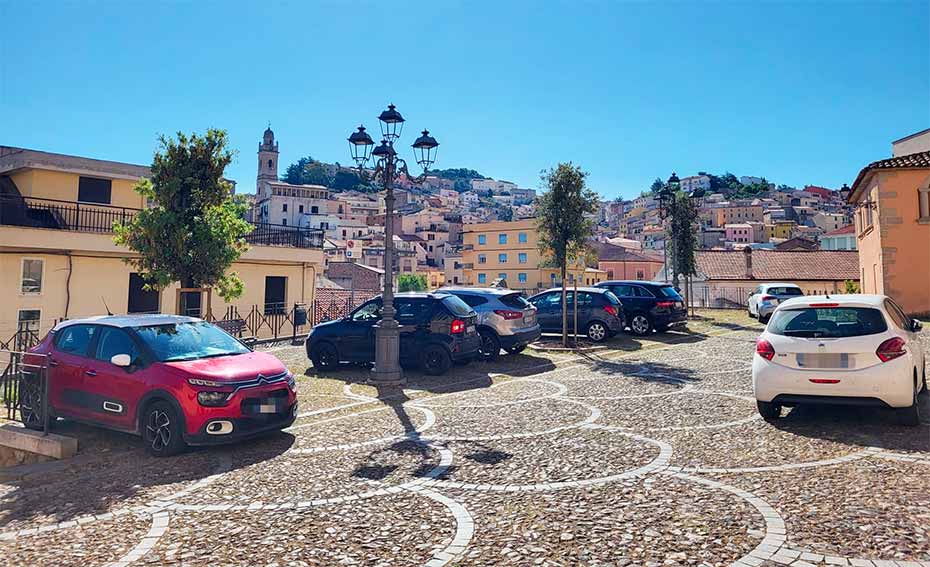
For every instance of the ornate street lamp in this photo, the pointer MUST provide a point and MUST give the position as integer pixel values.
(388, 166)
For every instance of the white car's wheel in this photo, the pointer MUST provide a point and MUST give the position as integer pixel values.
(910, 416)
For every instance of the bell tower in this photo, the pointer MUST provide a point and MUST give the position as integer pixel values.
(267, 159)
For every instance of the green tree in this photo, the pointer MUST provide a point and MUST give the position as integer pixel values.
(505, 214)
(851, 286)
(656, 186)
(307, 171)
(411, 282)
(195, 230)
(564, 228)
(682, 235)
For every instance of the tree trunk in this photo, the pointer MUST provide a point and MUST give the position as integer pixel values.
(564, 304)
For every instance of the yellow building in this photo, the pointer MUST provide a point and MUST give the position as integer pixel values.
(737, 214)
(510, 251)
(58, 260)
(780, 229)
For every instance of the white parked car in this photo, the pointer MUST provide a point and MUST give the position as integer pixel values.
(765, 298)
(840, 349)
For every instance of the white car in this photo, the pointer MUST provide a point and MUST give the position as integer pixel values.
(765, 298)
(840, 349)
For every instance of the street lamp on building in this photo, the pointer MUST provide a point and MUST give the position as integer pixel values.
(388, 165)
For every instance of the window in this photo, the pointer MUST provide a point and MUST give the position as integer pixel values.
(141, 300)
(923, 204)
(901, 320)
(502, 276)
(28, 320)
(75, 339)
(502, 258)
(521, 238)
(284, 208)
(314, 210)
(31, 282)
(93, 190)
(300, 209)
(283, 222)
(837, 322)
(640, 275)
(482, 278)
(521, 257)
(275, 294)
(473, 300)
(610, 274)
(502, 238)
(411, 310)
(521, 277)
(115, 341)
(270, 164)
(482, 239)
(482, 259)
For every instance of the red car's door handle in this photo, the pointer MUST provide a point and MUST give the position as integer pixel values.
(90, 372)
(51, 362)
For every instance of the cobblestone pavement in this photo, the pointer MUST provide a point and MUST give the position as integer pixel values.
(649, 453)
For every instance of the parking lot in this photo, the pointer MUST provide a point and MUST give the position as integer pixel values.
(649, 452)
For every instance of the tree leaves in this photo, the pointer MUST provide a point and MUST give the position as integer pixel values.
(196, 229)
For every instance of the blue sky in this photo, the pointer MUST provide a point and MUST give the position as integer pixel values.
(802, 92)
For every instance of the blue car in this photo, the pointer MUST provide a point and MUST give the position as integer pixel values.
(436, 329)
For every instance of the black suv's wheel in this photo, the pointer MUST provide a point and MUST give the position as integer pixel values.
(30, 402)
(324, 356)
(490, 345)
(640, 324)
(597, 331)
(769, 410)
(161, 429)
(516, 349)
(435, 360)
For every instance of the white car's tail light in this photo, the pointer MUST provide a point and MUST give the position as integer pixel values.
(891, 349)
(765, 349)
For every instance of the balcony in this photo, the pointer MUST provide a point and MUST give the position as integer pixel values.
(93, 218)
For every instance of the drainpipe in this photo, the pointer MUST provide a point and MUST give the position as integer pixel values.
(68, 285)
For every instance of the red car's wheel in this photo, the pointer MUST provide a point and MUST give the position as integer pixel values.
(161, 429)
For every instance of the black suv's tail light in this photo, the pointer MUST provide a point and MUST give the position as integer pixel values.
(458, 327)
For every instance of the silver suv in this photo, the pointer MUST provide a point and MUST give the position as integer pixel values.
(505, 319)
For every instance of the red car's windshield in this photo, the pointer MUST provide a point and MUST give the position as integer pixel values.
(188, 341)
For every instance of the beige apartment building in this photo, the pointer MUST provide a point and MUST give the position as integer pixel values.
(736, 214)
(509, 251)
(58, 260)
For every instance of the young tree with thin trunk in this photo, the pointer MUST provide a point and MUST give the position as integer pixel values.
(564, 229)
(195, 228)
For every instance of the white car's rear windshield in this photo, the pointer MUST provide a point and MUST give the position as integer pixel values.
(827, 322)
(785, 291)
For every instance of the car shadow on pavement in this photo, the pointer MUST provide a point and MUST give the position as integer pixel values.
(113, 471)
(859, 426)
(644, 371)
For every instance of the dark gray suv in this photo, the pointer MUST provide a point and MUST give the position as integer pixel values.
(600, 313)
(505, 319)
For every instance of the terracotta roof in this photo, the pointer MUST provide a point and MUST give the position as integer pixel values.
(848, 229)
(797, 243)
(911, 161)
(774, 265)
(610, 253)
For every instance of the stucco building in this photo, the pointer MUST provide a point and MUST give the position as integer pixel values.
(58, 259)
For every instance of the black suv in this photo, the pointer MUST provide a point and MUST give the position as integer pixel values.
(600, 314)
(649, 305)
(436, 329)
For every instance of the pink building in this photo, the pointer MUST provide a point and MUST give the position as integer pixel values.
(739, 232)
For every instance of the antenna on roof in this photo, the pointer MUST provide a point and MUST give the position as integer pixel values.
(105, 306)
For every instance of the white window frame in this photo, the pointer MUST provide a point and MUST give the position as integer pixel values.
(22, 267)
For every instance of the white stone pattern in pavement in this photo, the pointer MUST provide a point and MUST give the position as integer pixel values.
(553, 385)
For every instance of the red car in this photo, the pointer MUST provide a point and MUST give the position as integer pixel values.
(173, 380)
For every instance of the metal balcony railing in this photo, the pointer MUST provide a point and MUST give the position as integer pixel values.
(95, 218)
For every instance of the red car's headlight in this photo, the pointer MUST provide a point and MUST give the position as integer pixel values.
(212, 399)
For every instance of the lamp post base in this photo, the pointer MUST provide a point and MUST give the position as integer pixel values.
(387, 370)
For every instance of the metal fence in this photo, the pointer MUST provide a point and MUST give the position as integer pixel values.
(733, 297)
(99, 218)
(24, 386)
